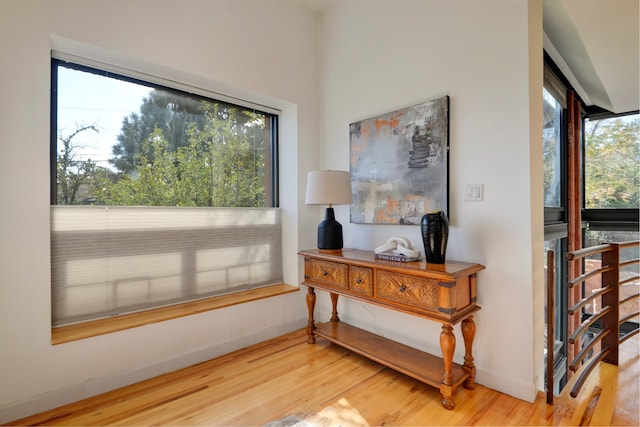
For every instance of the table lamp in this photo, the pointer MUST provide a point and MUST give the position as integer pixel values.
(329, 187)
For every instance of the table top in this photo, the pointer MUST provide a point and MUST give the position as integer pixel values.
(450, 269)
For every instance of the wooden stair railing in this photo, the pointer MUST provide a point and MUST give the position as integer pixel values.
(604, 345)
(613, 299)
(605, 290)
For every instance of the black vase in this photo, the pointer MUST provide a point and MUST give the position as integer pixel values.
(435, 233)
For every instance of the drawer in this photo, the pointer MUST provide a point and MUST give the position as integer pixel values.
(361, 280)
(417, 292)
(333, 274)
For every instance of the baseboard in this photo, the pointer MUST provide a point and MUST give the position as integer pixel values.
(93, 387)
(507, 385)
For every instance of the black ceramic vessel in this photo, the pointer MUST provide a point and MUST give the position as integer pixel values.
(435, 233)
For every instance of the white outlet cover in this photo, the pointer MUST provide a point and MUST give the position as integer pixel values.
(473, 192)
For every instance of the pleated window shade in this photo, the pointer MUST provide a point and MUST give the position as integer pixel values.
(110, 260)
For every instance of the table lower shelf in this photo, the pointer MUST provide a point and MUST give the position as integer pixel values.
(417, 364)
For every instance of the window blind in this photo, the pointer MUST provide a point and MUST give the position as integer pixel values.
(166, 82)
(110, 260)
(555, 87)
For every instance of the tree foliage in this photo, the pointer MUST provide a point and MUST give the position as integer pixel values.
(612, 156)
(170, 112)
(154, 179)
(216, 159)
(73, 173)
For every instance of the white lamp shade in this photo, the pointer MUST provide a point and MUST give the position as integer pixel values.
(328, 188)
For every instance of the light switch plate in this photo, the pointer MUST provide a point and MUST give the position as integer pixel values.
(473, 192)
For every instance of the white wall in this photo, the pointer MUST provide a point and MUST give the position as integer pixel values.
(365, 58)
(378, 56)
(266, 51)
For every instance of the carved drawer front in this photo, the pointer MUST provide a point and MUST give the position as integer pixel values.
(419, 292)
(361, 280)
(327, 273)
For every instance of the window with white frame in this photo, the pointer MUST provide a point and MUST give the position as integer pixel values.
(161, 193)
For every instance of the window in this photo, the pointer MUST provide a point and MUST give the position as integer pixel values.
(589, 199)
(554, 134)
(594, 238)
(612, 197)
(612, 155)
(611, 174)
(556, 221)
(561, 297)
(159, 195)
(552, 138)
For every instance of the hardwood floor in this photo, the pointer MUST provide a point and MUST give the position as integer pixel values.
(324, 383)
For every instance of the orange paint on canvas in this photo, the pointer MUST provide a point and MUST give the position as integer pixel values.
(365, 129)
(392, 123)
(392, 205)
(390, 214)
(381, 217)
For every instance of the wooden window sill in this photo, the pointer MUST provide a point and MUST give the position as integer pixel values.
(63, 334)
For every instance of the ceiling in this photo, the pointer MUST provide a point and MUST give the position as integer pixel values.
(594, 42)
(598, 41)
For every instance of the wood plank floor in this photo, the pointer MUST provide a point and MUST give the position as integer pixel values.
(327, 385)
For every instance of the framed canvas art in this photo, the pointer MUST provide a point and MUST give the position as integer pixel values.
(400, 164)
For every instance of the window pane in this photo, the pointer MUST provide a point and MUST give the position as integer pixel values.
(160, 196)
(612, 156)
(594, 238)
(551, 148)
(560, 311)
(125, 143)
(560, 314)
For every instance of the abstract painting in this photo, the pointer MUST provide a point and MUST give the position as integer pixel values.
(400, 164)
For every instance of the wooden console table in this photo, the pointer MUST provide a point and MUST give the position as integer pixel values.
(444, 293)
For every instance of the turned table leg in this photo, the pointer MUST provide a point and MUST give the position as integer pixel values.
(311, 303)
(448, 346)
(334, 305)
(468, 333)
